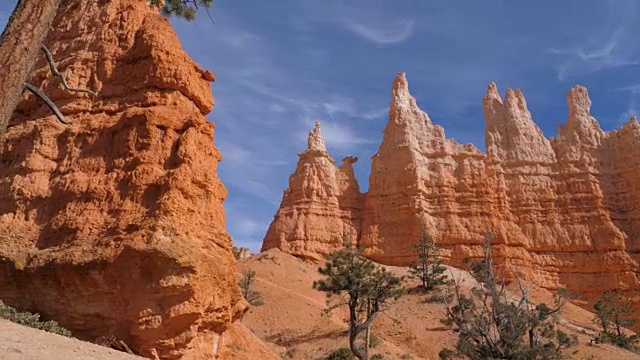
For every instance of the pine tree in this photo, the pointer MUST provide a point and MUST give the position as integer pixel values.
(185, 9)
(362, 285)
(428, 269)
(253, 297)
(613, 313)
(492, 325)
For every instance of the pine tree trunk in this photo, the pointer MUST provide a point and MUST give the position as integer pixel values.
(20, 43)
(367, 335)
(353, 333)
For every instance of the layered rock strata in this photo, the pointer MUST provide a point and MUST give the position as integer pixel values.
(114, 225)
(320, 210)
(563, 210)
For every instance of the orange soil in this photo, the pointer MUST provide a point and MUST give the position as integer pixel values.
(291, 321)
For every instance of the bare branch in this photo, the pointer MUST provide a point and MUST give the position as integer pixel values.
(55, 72)
(47, 101)
(326, 311)
(209, 14)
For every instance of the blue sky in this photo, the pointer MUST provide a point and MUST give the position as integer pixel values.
(281, 65)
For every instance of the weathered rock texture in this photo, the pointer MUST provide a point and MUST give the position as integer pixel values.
(241, 253)
(564, 211)
(321, 208)
(115, 224)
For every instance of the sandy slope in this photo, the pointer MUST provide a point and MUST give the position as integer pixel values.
(291, 324)
(19, 342)
(290, 320)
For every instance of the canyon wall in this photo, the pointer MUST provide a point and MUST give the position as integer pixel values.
(563, 210)
(114, 225)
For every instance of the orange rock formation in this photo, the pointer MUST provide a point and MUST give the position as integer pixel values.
(564, 210)
(115, 224)
(321, 208)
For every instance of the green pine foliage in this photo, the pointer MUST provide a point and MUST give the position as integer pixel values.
(366, 288)
(495, 325)
(253, 297)
(340, 354)
(428, 269)
(31, 320)
(185, 9)
(613, 313)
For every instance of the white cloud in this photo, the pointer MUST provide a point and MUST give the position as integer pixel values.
(375, 114)
(337, 136)
(337, 104)
(241, 40)
(631, 111)
(256, 188)
(233, 153)
(384, 33)
(244, 226)
(246, 231)
(634, 89)
(632, 107)
(277, 108)
(611, 46)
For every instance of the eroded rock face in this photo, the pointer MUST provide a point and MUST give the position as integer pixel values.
(115, 224)
(241, 253)
(321, 208)
(419, 179)
(564, 210)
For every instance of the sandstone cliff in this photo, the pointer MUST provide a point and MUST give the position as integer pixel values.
(114, 225)
(564, 210)
(321, 207)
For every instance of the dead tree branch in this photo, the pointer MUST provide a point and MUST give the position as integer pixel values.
(47, 101)
(55, 72)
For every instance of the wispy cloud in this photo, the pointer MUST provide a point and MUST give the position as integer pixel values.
(233, 153)
(337, 104)
(375, 114)
(338, 136)
(632, 107)
(384, 33)
(247, 228)
(614, 45)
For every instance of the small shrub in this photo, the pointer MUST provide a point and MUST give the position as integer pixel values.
(407, 356)
(374, 341)
(429, 269)
(341, 354)
(490, 325)
(613, 313)
(31, 320)
(439, 298)
(377, 357)
(290, 353)
(447, 354)
(254, 298)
